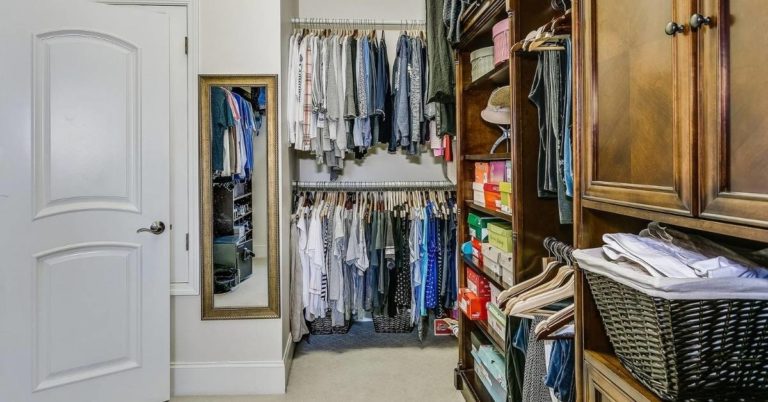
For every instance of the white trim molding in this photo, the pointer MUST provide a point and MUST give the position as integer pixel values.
(228, 378)
(288, 356)
(191, 287)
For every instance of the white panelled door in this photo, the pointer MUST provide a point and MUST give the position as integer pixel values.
(84, 145)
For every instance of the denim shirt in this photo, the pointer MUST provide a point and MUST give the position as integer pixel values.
(401, 83)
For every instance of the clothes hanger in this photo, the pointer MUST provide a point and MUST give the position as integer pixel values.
(561, 276)
(551, 296)
(554, 323)
(549, 272)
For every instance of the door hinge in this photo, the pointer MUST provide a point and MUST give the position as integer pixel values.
(186, 45)
(187, 241)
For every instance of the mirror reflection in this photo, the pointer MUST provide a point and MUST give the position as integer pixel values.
(236, 147)
(239, 196)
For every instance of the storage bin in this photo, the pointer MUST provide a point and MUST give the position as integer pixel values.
(481, 172)
(473, 306)
(495, 363)
(496, 172)
(501, 48)
(500, 236)
(496, 259)
(478, 284)
(400, 323)
(478, 194)
(478, 226)
(508, 276)
(492, 196)
(485, 377)
(680, 339)
(505, 188)
(324, 326)
(496, 319)
(477, 252)
(492, 266)
(482, 62)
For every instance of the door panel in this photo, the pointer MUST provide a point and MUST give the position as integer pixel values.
(74, 339)
(83, 165)
(734, 104)
(86, 122)
(638, 113)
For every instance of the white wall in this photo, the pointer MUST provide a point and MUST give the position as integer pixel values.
(288, 9)
(378, 165)
(233, 356)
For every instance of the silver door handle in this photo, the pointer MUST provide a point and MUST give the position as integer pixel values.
(156, 228)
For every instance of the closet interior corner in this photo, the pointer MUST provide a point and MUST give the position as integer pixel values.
(384, 200)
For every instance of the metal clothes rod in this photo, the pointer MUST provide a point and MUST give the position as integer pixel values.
(370, 23)
(373, 185)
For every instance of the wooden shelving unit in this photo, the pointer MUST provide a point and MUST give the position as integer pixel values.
(703, 199)
(493, 278)
(532, 219)
(497, 77)
(488, 211)
(488, 157)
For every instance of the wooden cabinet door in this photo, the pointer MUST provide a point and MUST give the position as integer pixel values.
(734, 104)
(638, 104)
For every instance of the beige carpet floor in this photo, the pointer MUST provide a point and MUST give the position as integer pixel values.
(366, 367)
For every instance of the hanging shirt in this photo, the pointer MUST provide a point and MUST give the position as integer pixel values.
(400, 85)
(221, 119)
(305, 118)
(305, 268)
(291, 91)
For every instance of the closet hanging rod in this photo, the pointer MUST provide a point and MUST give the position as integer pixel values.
(359, 22)
(373, 185)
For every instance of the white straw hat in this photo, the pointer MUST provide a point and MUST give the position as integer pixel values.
(498, 109)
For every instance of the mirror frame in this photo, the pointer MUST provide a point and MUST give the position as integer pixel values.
(209, 311)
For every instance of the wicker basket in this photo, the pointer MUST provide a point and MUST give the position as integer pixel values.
(687, 349)
(324, 326)
(482, 62)
(399, 324)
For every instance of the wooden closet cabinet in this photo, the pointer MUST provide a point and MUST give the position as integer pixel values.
(638, 114)
(675, 107)
(734, 111)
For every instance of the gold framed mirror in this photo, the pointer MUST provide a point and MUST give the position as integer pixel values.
(240, 251)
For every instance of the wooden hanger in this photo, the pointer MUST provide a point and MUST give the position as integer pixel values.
(546, 328)
(549, 272)
(560, 293)
(563, 274)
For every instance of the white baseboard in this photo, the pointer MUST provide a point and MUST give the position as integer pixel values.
(228, 378)
(288, 356)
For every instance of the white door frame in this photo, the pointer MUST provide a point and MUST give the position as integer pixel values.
(192, 286)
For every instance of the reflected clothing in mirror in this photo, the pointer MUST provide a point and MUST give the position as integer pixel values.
(239, 224)
(234, 123)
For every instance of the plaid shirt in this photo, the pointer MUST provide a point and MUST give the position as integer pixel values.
(308, 69)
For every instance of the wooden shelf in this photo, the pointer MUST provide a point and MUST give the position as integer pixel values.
(499, 76)
(477, 25)
(724, 228)
(240, 197)
(488, 157)
(493, 278)
(611, 368)
(472, 388)
(237, 218)
(501, 215)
